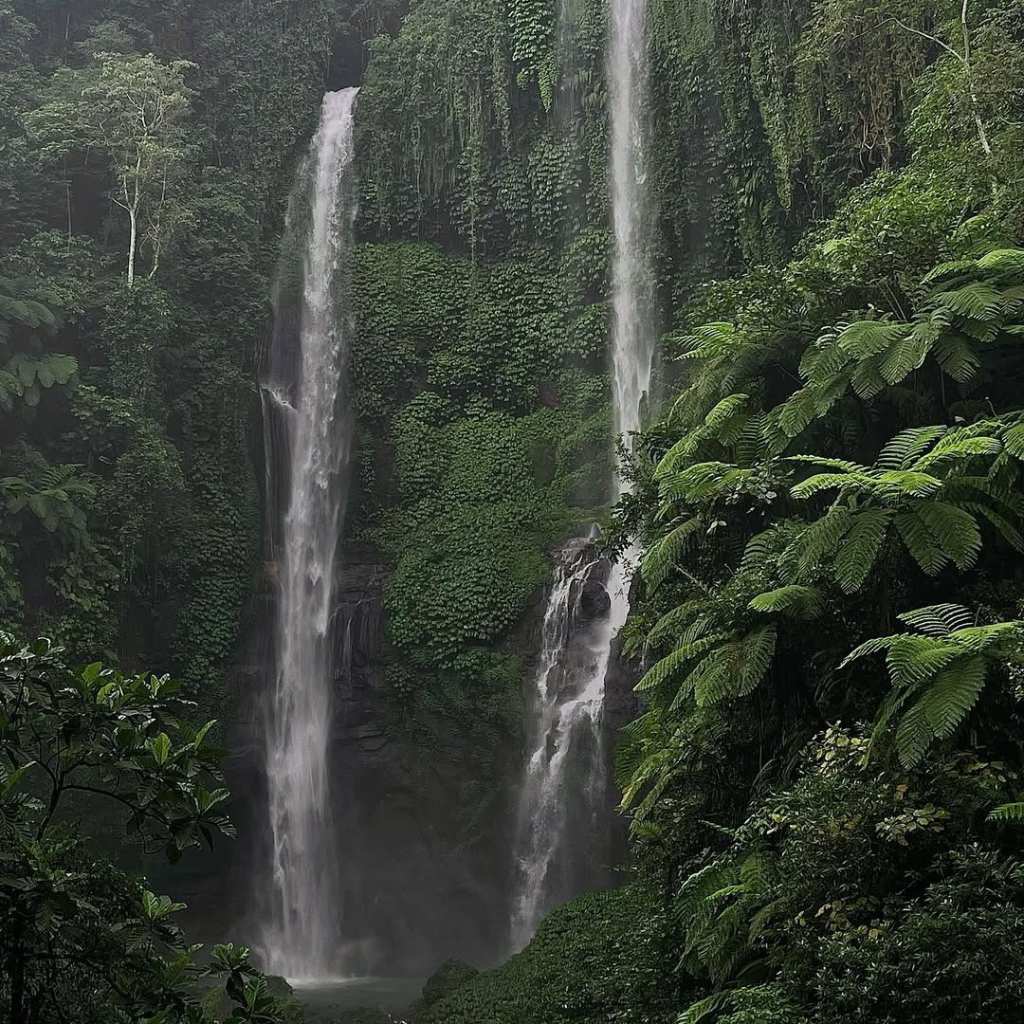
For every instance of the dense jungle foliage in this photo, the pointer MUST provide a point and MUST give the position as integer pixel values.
(823, 786)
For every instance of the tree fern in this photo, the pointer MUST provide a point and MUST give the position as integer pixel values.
(796, 601)
(1008, 814)
(862, 544)
(924, 486)
(939, 619)
(865, 338)
(938, 676)
(674, 621)
(662, 555)
(672, 663)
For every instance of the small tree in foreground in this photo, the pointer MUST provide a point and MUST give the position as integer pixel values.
(80, 940)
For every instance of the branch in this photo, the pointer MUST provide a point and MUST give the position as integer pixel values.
(924, 35)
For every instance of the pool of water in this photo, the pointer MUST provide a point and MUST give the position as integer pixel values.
(323, 999)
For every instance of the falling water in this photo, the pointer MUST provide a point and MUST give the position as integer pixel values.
(633, 335)
(632, 288)
(557, 845)
(309, 430)
(562, 795)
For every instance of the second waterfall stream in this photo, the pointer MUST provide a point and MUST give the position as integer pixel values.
(564, 790)
(308, 427)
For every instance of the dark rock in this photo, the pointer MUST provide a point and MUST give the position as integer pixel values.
(594, 601)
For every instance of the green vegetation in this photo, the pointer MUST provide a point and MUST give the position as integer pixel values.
(839, 479)
(80, 940)
(824, 788)
(608, 956)
(143, 186)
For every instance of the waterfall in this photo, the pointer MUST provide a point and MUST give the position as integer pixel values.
(633, 333)
(564, 789)
(309, 435)
(563, 793)
(632, 281)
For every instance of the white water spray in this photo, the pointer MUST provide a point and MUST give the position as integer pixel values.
(309, 428)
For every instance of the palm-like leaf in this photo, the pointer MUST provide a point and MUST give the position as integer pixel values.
(938, 676)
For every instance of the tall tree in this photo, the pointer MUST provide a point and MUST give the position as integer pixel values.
(136, 112)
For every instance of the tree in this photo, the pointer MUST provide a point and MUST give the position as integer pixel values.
(136, 112)
(79, 939)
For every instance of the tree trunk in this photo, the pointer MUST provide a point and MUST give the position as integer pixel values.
(19, 1004)
(969, 73)
(132, 245)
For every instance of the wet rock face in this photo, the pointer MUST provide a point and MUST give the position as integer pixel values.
(594, 600)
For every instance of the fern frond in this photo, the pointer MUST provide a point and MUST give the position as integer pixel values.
(823, 361)
(798, 601)
(956, 531)
(857, 555)
(955, 447)
(983, 639)
(737, 668)
(913, 736)
(1000, 260)
(905, 447)
(1008, 814)
(867, 380)
(759, 548)
(822, 537)
(909, 353)
(1013, 441)
(798, 411)
(1003, 526)
(938, 619)
(700, 1011)
(694, 483)
(949, 267)
(978, 300)
(953, 695)
(683, 449)
(869, 647)
(866, 338)
(829, 481)
(915, 659)
(674, 620)
(672, 663)
(724, 413)
(956, 355)
(663, 554)
(921, 544)
(840, 465)
(900, 482)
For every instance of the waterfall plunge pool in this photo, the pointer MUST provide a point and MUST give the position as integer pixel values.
(323, 999)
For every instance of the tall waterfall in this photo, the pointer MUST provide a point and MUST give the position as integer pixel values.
(633, 333)
(309, 434)
(564, 789)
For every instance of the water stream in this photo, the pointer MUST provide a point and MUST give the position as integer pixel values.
(564, 788)
(563, 794)
(309, 432)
